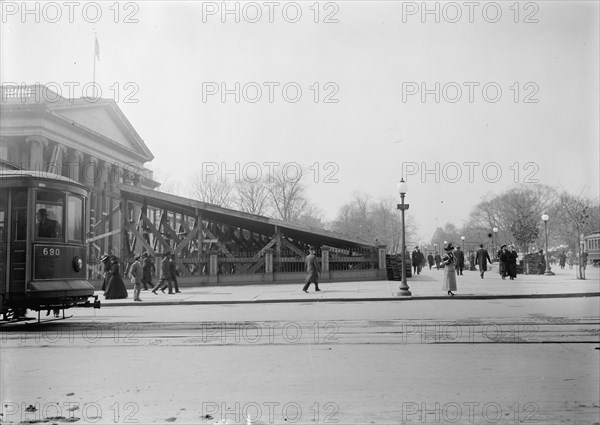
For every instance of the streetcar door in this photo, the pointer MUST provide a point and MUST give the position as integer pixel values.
(3, 239)
(17, 244)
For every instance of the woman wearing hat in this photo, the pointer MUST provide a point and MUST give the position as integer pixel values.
(106, 265)
(511, 263)
(503, 261)
(449, 270)
(115, 288)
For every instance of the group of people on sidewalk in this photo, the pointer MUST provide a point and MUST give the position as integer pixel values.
(141, 274)
(113, 285)
(454, 261)
(507, 257)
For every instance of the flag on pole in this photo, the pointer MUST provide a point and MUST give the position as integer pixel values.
(96, 48)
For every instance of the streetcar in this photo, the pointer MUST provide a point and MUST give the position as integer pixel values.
(591, 244)
(42, 244)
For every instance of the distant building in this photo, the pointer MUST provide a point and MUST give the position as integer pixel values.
(88, 140)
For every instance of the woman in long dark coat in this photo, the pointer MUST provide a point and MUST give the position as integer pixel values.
(503, 261)
(511, 266)
(449, 270)
(106, 266)
(115, 288)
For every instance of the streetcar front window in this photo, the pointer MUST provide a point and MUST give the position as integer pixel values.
(49, 209)
(75, 219)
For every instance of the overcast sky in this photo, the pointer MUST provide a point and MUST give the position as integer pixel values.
(516, 86)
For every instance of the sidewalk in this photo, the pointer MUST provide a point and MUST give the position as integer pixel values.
(426, 286)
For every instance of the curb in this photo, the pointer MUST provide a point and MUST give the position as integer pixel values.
(353, 299)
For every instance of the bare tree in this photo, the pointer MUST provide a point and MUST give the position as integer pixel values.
(167, 185)
(374, 221)
(252, 197)
(212, 190)
(516, 213)
(575, 216)
(286, 195)
(312, 217)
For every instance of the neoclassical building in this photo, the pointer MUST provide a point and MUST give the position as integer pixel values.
(87, 140)
(91, 141)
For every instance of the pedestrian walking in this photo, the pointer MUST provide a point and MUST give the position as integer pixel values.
(562, 259)
(459, 255)
(472, 261)
(430, 260)
(482, 257)
(438, 260)
(541, 262)
(106, 266)
(165, 275)
(136, 274)
(449, 261)
(312, 270)
(503, 261)
(583, 263)
(149, 270)
(416, 260)
(174, 273)
(511, 264)
(115, 288)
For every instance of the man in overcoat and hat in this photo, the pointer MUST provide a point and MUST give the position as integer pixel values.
(312, 270)
(459, 255)
(136, 273)
(166, 279)
(482, 257)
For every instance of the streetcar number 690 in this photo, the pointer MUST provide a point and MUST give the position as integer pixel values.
(51, 251)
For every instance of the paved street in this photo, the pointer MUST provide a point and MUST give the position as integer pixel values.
(461, 360)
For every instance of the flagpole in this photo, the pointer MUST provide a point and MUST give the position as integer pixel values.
(94, 75)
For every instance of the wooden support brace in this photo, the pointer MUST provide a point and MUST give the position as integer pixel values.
(139, 236)
(156, 234)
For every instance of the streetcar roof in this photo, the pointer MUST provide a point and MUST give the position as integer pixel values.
(37, 175)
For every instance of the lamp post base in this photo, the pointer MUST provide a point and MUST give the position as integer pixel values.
(404, 291)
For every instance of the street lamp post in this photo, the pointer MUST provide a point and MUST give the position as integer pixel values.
(436, 249)
(548, 272)
(495, 241)
(402, 188)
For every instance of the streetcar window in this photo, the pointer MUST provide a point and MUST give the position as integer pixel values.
(75, 219)
(49, 208)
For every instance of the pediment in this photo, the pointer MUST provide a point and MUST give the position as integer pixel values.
(106, 120)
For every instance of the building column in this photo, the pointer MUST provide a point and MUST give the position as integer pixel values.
(269, 265)
(36, 152)
(89, 172)
(382, 249)
(55, 165)
(4, 149)
(73, 165)
(103, 205)
(213, 268)
(325, 275)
